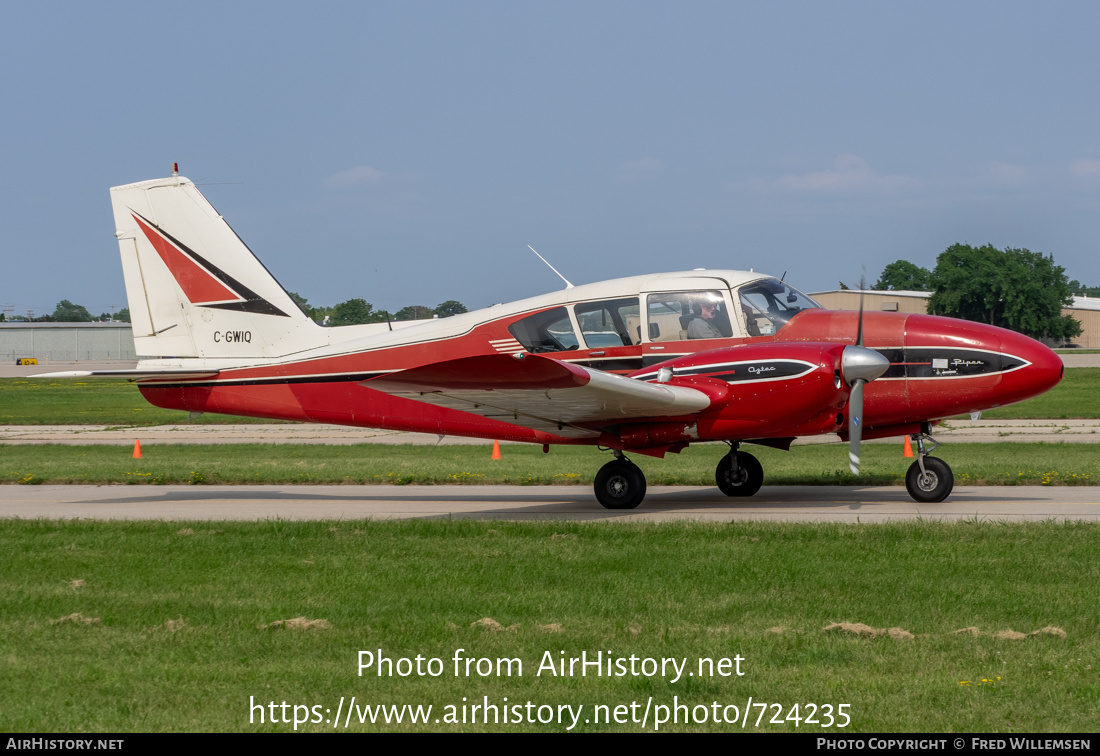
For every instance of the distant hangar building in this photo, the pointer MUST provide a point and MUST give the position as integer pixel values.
(1085, 310)
(66, 342)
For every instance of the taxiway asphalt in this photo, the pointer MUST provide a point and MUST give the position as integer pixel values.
(841, 504)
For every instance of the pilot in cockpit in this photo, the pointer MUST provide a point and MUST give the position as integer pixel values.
(702, 326)
(709, 321)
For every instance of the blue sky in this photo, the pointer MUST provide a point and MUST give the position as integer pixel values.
(407, 152)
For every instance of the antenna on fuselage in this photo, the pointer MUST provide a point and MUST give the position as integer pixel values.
(567, 284)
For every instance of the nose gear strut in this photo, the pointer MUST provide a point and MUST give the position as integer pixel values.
(929, 479)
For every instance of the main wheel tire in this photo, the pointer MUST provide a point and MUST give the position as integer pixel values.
(934, 484)
(749, 478)
(620, 485)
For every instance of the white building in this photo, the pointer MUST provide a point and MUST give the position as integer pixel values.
(66, 342)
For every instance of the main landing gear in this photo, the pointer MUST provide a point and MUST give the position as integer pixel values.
(929, 479)
(620, 484)
(739, 473)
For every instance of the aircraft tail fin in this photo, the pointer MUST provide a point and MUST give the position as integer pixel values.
(194, 288)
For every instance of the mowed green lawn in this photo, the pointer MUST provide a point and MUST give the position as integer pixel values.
(93, 401)
(166, 626)
(1077, 396)
(116, 402)
(523, 464)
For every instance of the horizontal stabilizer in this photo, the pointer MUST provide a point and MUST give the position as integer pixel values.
(180, 374)
(540, 393)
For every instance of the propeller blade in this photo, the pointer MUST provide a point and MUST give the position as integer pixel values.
(859, 365)
(855, 424)
(859, 329)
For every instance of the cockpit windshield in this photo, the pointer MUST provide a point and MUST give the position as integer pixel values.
(769, 304)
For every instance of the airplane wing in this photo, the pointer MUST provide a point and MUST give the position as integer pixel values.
(539, 393)
(134, 375)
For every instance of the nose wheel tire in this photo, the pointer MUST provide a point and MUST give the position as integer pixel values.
(934, 484)
(620, 484)
(747, 479)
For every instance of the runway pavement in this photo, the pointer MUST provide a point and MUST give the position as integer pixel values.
(842, 504)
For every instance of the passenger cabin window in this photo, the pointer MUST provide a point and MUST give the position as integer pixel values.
(767, 305)
(610, 323)
(684, 315)
(549, 331)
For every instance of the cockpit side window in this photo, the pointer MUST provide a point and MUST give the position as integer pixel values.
(767, 305)
(682, 315)
(550, 331)
(609, 323)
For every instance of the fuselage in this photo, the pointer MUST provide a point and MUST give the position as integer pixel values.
(771, 354)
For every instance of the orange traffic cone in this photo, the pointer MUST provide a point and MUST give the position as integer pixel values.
(137, 449)
(496, 450)
(908, 448)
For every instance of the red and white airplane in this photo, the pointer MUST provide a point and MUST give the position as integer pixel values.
(645, 365)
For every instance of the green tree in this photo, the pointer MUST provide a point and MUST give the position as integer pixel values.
(413, 312)
(122, 316)
(303, 305)
(1078, 288)
(449, 308)
(67, 312)
(902, 275)
(353, 312)
(1010, 288)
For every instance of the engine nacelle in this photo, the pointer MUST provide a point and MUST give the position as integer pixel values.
(763, 390)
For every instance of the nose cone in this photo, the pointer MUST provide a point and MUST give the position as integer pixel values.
(1043, 371)
(974, 365)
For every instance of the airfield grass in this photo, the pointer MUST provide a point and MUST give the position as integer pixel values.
(116, 402)
(95, 401)
(523, 464)
(1077, 396)
(172, 628)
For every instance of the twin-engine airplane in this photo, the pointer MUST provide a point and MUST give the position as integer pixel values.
(646, 365)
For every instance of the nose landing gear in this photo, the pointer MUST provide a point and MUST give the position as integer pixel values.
(929, 479)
